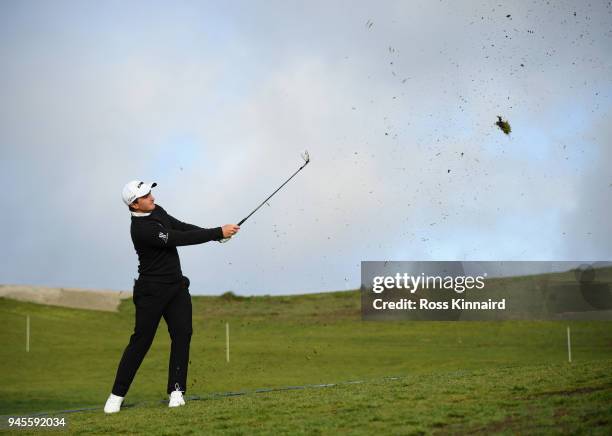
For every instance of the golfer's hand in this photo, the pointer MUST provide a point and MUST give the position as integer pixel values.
(230, 230)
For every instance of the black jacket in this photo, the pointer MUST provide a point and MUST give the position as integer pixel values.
(155, 239)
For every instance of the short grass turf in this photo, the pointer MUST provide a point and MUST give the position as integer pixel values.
(494, 376)
(535, 399)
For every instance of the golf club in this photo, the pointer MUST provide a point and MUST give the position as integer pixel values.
(306, 158)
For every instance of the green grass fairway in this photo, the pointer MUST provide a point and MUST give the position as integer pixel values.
(453, 376)
(516, 400)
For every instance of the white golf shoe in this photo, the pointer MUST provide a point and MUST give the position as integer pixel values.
(113, 404)
(176, 399)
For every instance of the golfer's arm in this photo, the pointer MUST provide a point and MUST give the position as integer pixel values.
(160, 237)
(179, 225)
(177, 238)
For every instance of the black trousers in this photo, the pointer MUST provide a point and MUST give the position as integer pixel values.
(154, 300)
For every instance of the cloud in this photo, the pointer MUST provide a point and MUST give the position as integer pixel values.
(215, 104)
(588, 229)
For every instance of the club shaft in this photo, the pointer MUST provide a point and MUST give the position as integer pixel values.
(279, 188)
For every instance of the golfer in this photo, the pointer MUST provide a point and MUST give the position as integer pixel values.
(160, 290)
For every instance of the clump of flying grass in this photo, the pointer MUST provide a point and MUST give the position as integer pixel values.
(503, 125)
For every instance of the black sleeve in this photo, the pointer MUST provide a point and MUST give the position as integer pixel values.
(156, 235)
(179, 225)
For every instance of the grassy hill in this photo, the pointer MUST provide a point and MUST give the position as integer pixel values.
(452, 376)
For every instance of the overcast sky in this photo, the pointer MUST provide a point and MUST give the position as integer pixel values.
(396, 102)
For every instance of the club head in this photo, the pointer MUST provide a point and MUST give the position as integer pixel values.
(305, 156)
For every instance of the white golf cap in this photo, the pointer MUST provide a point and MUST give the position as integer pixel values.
(136, 189)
